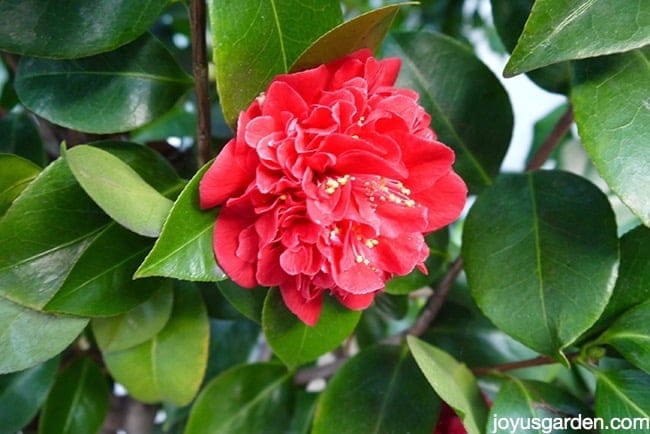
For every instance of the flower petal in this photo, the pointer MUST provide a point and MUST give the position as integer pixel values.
(228, 176)
(445, 200)
(307, 310)
(226, 243)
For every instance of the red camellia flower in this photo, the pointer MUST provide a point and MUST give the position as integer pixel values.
(331, 182)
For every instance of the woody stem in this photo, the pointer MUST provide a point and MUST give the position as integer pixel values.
(201, 83)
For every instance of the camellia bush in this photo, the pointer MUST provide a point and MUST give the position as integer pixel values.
(289, 216)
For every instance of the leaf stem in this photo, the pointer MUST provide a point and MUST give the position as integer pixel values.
(201, 83)
(559, 131)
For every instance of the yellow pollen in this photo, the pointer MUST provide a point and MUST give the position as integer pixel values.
(405, 191)
(332, 183)
(354, 136)
(359, 259)
(330, 190)
(366, 262)
(342, 180)
(283, 197)
(370, 243)
(410, 203)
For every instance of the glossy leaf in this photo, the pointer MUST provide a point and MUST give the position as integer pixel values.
(119, 190)
(622, 394)
(474, 340)
(231, 342)
(101, 284)
(558, 30)
(630, 335)
(470, 111)
(246, 399)
(15, 174)
(373, 392)
(365, 31)
(29, 337)
(541, 265)
(53, 222)
(286, 28)
(633, 274)
(296, 343)
(136, 326)
(78, 401)
(22, 394)
(43, 233)
(170, 366)
(610, 99)
(184, 248)
(248, 301)
(68, 29)
(19, 135)
(453, 382)
(124, 89)
(149, 164)
(524, 401)
(509, 18)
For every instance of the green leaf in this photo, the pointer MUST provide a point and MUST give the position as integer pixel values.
(630, 335)
(622, 394)
(558, 30)
(286, 28)
(43, 233)
(136, 326)
(29, 337)
(248, 301)
(22, 394)
(509, 18)
(149, 164)
(15, 174)
(246, 399)
(53, 222)
(296, 343)
(184, 248)
(541, 265)
(100, 284)
(470, 111)
(68, 29)
(303, 414)
(19, 135)
(373, 392)
(474, 340)
(453, 382)
(119, 190)
(610, 100)
(231, 342)
(170, 366)
(632, 286)
(124, 89)
(523, 402)
(365, 31)
(78, 401)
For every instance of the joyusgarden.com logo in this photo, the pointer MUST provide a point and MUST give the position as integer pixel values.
(515, 425)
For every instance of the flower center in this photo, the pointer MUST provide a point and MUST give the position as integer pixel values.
(379, 189)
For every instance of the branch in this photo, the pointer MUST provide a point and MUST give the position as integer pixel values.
(559, 131)
(537, 361)
(201, 83)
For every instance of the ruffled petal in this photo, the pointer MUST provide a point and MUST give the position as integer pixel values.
(355, 301)
(226, 243)
(445, 200)
(307, 310)
(227, 177)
